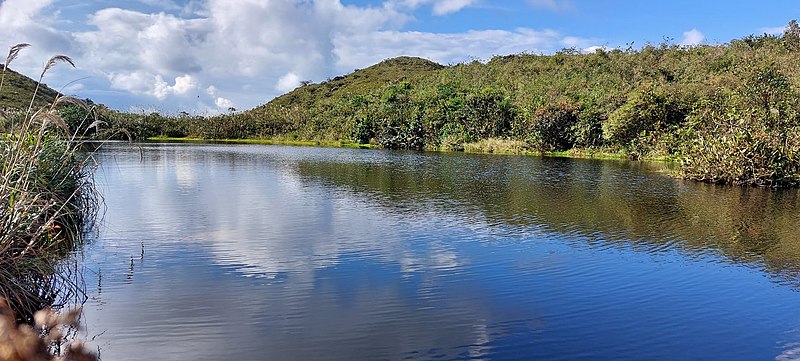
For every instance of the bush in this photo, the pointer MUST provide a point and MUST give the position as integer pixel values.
(398, 119)
(401, 129)
(647, 110)
(487, 114)
(748, 137)
(552, 127)
(588, 130)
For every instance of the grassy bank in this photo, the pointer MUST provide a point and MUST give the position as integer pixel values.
(488, 146)
(47, 197)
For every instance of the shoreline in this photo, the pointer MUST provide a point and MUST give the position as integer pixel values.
(469, 148)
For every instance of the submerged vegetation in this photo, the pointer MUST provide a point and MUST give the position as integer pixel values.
(728, 113)
(48, 198)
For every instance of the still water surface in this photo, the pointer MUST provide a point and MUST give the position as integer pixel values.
(237, 252)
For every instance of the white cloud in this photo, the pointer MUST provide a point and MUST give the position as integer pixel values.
(144, 83)
(692, 37)
(288, 82)
(593, 49)
(450, 6)
(32, 21)
(223, 103)
(184, 84)
(440, 7)
(21, 13)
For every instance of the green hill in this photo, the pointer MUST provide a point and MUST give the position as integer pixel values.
(18, 90)
(359, 82)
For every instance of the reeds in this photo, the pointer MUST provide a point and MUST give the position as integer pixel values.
(47, 198)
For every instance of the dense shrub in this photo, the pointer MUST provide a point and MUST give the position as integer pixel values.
(588, 130)
(552, 127)
(487, 113)
(647, 110)
(750, 136)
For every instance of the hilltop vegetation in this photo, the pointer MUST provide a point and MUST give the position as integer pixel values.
(728, 112)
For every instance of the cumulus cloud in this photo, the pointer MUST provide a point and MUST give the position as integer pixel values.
(21, 13)
(223, 103)
(183, 85)
(288, 82)
(440, 7)
(213, 53)
(692, 37)
(151, 84)
(593, 49)
(32, 21)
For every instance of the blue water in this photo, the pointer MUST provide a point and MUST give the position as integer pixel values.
(234, 252)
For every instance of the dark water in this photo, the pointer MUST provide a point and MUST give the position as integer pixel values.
(214, 252)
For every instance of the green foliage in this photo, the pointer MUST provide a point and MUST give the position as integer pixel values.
(647, 111)
(748, 136)
(791, 36)
(486, 114)
(398, 121)
(588, 129)
(552, 126)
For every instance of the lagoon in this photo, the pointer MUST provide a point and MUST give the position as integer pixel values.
(253, 252)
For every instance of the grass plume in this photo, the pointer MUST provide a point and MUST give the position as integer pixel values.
(12, 54)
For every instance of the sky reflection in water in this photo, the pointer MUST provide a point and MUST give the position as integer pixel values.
(267, 252)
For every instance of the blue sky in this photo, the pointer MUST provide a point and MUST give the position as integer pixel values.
(617, 21)
(205, 56)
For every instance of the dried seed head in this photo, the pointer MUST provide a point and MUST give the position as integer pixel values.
(14, 52)
(46, 318)
(72, 317)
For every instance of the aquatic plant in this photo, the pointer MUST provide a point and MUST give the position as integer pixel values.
(47, 198)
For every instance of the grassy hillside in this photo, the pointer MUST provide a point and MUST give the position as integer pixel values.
(361, 81)
(729, 112)
(18, 90)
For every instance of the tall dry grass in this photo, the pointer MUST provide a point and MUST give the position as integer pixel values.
(47, 198)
